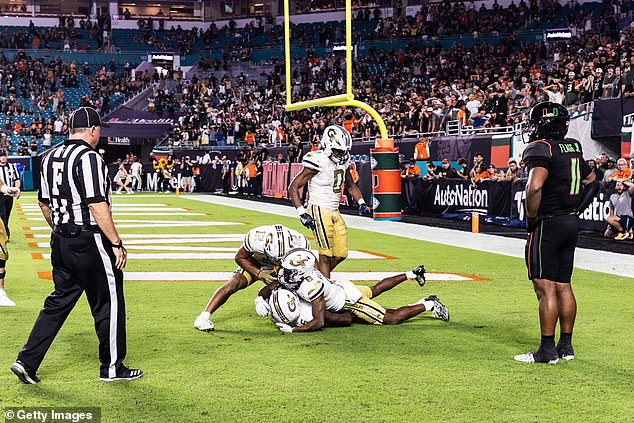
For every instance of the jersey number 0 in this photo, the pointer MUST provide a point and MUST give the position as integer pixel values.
(339, 175)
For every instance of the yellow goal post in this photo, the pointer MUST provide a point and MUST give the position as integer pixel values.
(341, 100)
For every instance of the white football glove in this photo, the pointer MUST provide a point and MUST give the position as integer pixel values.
(284, 327)
(262, 306)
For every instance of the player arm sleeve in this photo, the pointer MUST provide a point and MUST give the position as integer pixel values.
(246, 244)
(311, 161)
(43, 194)
(538, 154)
(315, 290)
(92, 173)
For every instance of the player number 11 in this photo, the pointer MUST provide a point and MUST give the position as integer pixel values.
(575, 170)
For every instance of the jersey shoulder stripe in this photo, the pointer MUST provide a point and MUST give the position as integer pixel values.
(247, 241)
(316, 292)
(312, 160)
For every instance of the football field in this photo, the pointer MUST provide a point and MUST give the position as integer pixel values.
(247, 371)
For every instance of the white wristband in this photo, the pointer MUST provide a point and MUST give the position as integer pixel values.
(4, 189)
(300, 210)
(361, 201)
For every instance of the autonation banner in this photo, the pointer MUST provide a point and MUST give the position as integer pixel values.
(499, 202)
(451, 196)
(592, 219)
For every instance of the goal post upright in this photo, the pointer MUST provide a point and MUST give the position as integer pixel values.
(386, 186)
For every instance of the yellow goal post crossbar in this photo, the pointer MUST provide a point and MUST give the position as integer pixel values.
(341, 100)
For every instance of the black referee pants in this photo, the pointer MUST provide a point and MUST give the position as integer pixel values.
(82, 263)
(6, 205)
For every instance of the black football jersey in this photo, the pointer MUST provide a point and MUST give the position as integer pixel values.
(562, 190)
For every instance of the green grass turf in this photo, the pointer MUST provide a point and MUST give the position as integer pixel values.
(422, 370)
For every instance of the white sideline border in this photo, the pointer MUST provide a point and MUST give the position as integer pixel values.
(598, 261)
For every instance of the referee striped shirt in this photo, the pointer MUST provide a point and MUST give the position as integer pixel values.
(9, 174)
(72, 177)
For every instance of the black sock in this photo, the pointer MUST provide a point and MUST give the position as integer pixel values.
(548, 343)
(565, 338)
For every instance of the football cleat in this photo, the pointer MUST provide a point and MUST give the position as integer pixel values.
(419, 271)
(5, 301)
(30, 378)
(126, 374)
(439, 310)
(203, 324)
(566, 352)
(530, 358)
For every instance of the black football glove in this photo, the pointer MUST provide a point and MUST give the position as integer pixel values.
(364, 209)
(532, 224)
(308, 221)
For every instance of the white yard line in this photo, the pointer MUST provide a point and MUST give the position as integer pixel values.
(153, 224)
(115, 206)
(127, 213)
(223, 276)
(164, 238)
(192, 255)
(598, 261)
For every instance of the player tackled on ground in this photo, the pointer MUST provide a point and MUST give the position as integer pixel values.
(325, 171)
(298, 274)
(262, 248)
(554, 198)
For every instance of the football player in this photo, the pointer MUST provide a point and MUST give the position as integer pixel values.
(297, 273)
(261, 250)
(325, 172)
(560, 186)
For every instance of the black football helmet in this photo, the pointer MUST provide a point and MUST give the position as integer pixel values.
(548, 120)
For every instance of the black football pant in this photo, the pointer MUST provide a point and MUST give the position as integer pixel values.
(84, 262)
(6, 205)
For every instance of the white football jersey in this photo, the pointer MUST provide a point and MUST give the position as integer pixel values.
(325, 187)
(316, 285)
(305, 313)
(255, 240)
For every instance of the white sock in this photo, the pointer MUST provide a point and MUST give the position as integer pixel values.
(205, 314)
(410, 275)
(2, 292)
(429, 305)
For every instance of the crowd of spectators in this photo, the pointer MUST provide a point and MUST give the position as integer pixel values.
(34, 104)
(306, 6)
(416, 90)
(64, 37)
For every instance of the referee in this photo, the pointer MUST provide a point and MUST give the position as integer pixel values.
(86, 251)
(10, 176)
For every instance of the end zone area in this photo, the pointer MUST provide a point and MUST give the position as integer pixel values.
(248, 371)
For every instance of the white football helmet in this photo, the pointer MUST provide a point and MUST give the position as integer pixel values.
(337, 143)
(285, 306)
(280, 241)
(295, 266)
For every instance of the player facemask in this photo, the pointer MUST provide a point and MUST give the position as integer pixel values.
(289, 278)
(336, 143)
(295, 266)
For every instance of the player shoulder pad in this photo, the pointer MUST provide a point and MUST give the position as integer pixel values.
(249, 242)
(311, 289)
(297, 240)
(539, 149)
(313, 160)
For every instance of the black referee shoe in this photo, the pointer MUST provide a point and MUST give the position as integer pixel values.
(126, 374)
(25, 376)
